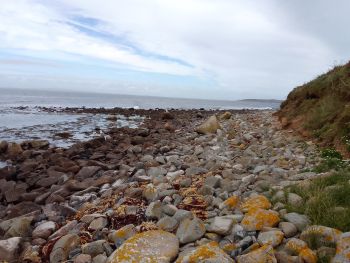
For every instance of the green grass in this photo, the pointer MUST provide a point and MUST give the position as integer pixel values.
(331, 160)
(327, 200)
(323, 106)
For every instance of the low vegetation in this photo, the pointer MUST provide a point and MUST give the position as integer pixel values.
(322, 107)
(326, 198)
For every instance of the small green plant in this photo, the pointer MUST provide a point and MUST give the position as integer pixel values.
(332, 160)
(326, 200)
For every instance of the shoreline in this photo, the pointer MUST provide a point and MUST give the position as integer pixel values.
(136, 180)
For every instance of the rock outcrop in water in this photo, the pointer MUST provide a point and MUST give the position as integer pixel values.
(157, 195)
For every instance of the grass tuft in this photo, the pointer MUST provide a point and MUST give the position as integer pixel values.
(327, 200)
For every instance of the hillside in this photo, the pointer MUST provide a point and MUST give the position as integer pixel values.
(321, 108)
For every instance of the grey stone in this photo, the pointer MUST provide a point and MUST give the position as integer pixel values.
(10, 249)
(190, 230)
(154, 210)
(95, 248)
(167, 223)
(221, 225)
(288, 229)
(63, 247)
(300, 221)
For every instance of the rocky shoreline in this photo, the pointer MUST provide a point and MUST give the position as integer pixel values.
(186, 186)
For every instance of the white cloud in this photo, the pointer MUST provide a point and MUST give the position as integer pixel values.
(251, 48)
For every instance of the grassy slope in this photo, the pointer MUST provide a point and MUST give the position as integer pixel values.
(321, 107)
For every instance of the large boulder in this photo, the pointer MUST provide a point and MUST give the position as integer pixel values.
(153, 245)
(211, 125)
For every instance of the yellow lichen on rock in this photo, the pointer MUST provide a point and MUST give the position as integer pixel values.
(264, 254)
(307, 256)
(254, 202)
(258, 218)
(322, 234)
(205, 253)
(295, 246)
(342, 254)
(155, 246)
(230, 203)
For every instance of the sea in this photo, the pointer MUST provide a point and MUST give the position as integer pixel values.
(22, 119)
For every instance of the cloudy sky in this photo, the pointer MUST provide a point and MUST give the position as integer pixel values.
(220, 49)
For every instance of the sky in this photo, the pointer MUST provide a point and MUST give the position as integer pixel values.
(211, 49)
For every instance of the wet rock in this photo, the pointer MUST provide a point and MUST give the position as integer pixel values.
(44, 230)
(3, 146)
(263, 254)
(258, 218)
(10, 249)
(14, 150)
(209, 252)
(155, 245)
(38, 144)
(190, 230)
(273, 238)
(167, 116)
(221, 225)
(211, 125)
(87, 172)
(62, 248)
(300, 221)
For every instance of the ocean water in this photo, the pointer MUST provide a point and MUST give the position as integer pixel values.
(21, 120)
(17, 97)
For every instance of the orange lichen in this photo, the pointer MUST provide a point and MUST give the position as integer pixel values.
(308, 256)
(231, 202)
(322, 233)
(295, 245)
(258, 218)
(261, 255)
(258, 201)
(151, 247)
(228, 248)
(209, 251)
